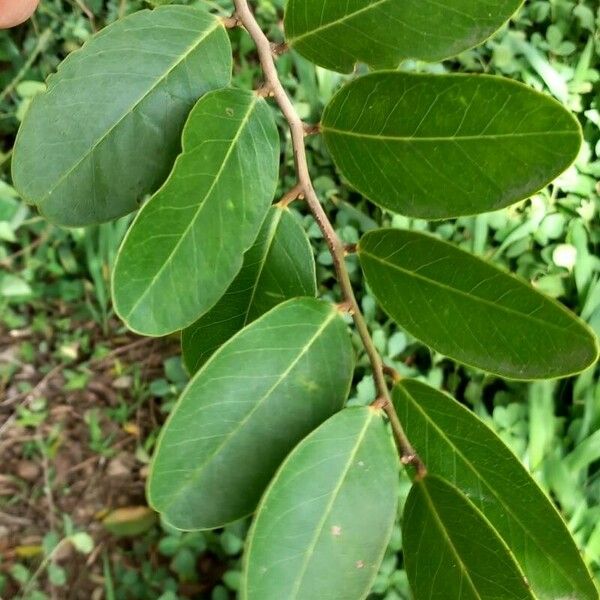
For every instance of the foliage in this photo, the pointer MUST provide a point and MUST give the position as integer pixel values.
(518, 234)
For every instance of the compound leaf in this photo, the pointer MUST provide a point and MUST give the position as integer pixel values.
(107, 130)
(187, 243)
(451, 550)
(381, 33)
(440, 146)
(457, 446)
(251, 403)
(325, 521)
(279, 266)
(471, 310)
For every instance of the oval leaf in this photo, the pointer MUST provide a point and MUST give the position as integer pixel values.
(456, 445)
(324, 523)
(187, 243)
(472, 311)
(381, 33)
(451, 550)
(242, 413)
(439, 146)
(279, 266)
(108, 129)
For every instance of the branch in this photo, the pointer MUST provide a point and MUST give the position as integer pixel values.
(298, 131)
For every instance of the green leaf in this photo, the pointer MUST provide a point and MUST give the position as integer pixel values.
(456, 445)
(243, 412)
(451, 550)
(106, 132)
(381, 33)
(440, 146)
(186, 245)
(279, 266)
(471, 310)
(323, 525)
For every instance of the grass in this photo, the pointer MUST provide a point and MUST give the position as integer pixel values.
(81, 400)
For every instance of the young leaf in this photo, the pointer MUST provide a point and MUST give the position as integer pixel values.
(439, 146)
(279, 266)
(187, 243)
(243, 412)
(381, 33)
(324, 523)
(106, 132)
(451, 550)
(472, 311)
(456, 445)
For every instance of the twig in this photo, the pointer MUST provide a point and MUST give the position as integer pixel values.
(298, 131)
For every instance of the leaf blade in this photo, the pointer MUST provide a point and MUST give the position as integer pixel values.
(202, 220)
(301, 367)
(471, 310)
(279, 266)
(451, 550)
(316, 534)
(441, 146)
(456, 445)
(109, 159)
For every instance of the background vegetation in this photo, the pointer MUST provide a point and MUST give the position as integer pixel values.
(81, 400)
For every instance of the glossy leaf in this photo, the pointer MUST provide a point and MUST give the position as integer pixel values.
(251, 403)
(471, 310)
(451, 550)
(439, 146)
(187, 243)
(108, 129)
(324, 523)
(381, 33)
(279, 266)
(456, 445)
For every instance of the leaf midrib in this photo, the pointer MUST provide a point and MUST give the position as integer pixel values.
(201, 205)
(473, 298)
(130, 110)
(226, 438)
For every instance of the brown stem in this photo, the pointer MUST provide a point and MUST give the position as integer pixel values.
(298, 131)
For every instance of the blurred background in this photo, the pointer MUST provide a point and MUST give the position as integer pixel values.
(82, 400)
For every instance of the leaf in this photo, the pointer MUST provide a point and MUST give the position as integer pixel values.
(471, 310)
(381, 33)
(129, 521)
(456, 445)
(106, 132)
(279, 266)
(323, 525)
(243, 412)
(440, 146)
(451, 550)
(186, 245)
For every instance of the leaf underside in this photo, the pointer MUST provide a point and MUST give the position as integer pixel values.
(457, 446)
(187, 243)
(451, 551)
(279, 266)
(441, 146)
(251, 403)
(325, 521)
(108, 129)
(381, 33)
(471, 310)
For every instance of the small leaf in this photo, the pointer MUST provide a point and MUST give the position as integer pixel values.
(279, 266)
(243, 412)
(324, 523)
(381, 33)
(129, 521)
(440, 146)
(456, 445)
(451, 550)
(106, 132)
(82, 541)
(471, 310)
(187, 243)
